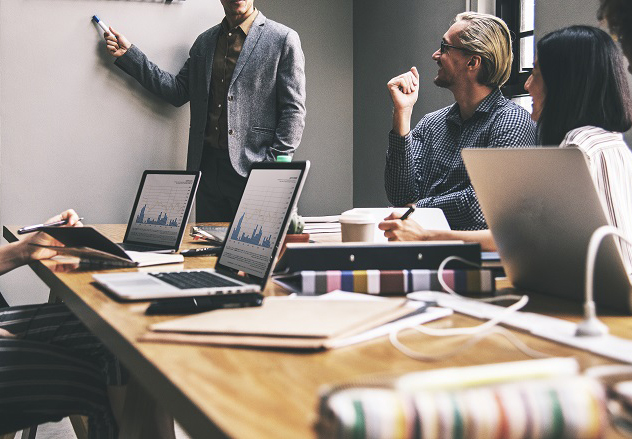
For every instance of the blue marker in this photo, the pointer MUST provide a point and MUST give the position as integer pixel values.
(101, 24)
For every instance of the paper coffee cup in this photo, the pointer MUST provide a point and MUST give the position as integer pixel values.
(357, 228)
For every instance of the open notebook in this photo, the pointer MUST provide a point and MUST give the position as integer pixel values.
(96, 249)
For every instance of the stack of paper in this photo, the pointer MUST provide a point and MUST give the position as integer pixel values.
(322, 224)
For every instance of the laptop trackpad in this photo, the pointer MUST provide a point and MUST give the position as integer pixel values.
(141, 281)
(135, 285)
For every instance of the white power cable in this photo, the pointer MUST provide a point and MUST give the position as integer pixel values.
(591, 326)
(472, 330)
(473, 340)
(449, 290)
(476, 332)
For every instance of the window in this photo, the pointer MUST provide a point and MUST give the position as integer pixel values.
(520, 18)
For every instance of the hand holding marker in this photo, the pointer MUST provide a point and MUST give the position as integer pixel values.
(102, 25)
(116, 43)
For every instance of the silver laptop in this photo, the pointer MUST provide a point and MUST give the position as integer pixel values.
(251, 245)
(161, 211)
(542, 208)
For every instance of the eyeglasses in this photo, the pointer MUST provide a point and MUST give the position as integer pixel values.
(445, 46)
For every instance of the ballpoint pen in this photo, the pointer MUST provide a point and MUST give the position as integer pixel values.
(410, 210)
(206, 235)
(36, 227)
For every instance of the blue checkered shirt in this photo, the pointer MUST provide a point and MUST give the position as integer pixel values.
(426, 167)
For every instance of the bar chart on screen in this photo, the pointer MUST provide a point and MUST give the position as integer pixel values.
(254, 238)
(161, 208)
(259, 220)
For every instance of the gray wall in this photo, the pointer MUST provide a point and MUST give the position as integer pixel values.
(326, 31)
(77, 132)
(554, 14)
(389, 38)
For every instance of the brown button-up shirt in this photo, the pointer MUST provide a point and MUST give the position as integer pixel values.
(229, 45)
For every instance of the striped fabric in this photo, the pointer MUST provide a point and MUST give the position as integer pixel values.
(564, 408)
(394, 282)
(52, 369)
(610, 163)
(426, 167)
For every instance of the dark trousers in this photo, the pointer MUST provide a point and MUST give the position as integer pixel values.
(220, 188)
(53, 368)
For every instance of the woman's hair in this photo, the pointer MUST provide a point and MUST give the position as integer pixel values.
(488, 36)
(585, 83)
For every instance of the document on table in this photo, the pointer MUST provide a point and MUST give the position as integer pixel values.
(299, 323)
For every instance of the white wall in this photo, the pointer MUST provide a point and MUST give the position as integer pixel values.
(77, 132)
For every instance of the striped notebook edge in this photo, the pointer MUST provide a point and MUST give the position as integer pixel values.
(391, 282)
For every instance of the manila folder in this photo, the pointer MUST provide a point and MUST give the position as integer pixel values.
(291, 323)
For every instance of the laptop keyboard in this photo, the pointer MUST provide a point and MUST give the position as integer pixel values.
(194, 279)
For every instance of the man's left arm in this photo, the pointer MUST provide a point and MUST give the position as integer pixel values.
(290, 97)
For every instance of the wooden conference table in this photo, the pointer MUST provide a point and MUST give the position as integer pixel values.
(247, 393)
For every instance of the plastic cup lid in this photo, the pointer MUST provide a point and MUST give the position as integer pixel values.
(356, 218)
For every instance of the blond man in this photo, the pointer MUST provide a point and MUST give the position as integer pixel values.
(423, 165)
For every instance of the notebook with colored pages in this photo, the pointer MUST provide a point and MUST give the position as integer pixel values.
(387, 282)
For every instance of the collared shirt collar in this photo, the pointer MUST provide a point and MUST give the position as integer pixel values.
(486, 106)
(245, 26)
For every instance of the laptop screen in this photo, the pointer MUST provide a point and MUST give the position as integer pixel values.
(259, 224)
(162, 207)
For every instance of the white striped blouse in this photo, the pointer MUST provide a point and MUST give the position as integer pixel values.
(610, 164)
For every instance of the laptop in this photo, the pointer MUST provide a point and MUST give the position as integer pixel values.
(161, 211)
(251, 246)
(542, 207)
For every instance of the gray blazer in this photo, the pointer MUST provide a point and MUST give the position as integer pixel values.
(266, 97)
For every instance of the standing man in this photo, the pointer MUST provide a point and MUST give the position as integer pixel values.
(245, 81)
(424, 166)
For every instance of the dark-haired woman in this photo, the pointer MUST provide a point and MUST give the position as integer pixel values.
(586, 104)
(580, 99)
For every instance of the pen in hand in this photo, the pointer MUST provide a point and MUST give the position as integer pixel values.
(36, 227)
(410, 210)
